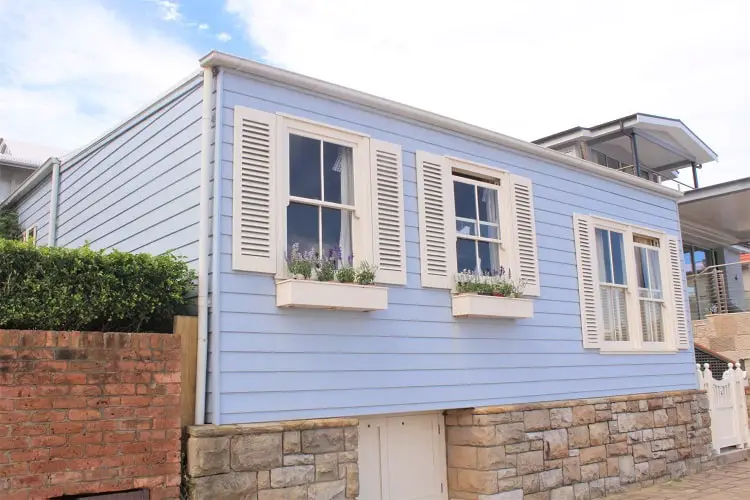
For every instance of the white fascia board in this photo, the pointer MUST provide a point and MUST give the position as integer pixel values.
(403, 111)
(672, 123)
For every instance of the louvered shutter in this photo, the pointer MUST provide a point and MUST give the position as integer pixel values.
(678, 293)
(587, 280)
(388, 212)
(525, 234)
(253, 241)
(437, 244)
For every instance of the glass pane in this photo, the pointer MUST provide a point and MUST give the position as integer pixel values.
(338, 175)
(654, 270)
(701, 260)
(614, 314)
(618, 257)
(652, 321)
(604, 256)
(641, 267)
(489, 231)
(600, 158)
(304, 167)
(687, 261)
(489, 257)
(466, 255)
(612, 163)
(466, 227)
(302, 227)
(337, 232)
(488, 210)
(464, 200)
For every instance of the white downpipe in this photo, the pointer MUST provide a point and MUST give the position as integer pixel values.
(201, 372)
(216, 251)
(53, 202)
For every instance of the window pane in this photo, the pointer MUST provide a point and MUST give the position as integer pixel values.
(304, 167)
(337, 232)
(489, 231)
(604, 255)
(641, 267)
(466, 227)
(488, 210)
(302, 227)
(338, 174)
(466, 255)
(614, 314)
(464, 200)
(652, 321)
(489, 257)
(618, 257)
(654, 271)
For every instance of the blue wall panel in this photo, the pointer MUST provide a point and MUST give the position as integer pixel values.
(287, 364)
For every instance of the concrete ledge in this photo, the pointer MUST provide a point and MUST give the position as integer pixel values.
(266, 427)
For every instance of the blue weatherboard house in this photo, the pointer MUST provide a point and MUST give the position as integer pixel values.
(513, 284)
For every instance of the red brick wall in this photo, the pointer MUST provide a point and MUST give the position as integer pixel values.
(89, 413)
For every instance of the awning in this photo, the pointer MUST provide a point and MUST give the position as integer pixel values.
(717, 215)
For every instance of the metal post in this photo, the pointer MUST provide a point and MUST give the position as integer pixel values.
(695, 174)
(636, 163)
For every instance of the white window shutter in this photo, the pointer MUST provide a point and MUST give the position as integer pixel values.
(678, 293)
(527, 268)
(583, 230)
(253, 241)
(437, 244)
(388, 212)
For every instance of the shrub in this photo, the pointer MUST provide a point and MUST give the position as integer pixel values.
(9, 227)
(497, 284)
(81, 289)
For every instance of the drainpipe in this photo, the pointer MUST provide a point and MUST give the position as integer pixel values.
(216, 251)
(695, 174)
(203, 249)
(53, 202)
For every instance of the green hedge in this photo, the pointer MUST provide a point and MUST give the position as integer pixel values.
(9, 227)
(81, 289)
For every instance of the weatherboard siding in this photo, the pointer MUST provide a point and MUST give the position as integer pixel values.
(139, 192)
(281, 364)
(33, 210)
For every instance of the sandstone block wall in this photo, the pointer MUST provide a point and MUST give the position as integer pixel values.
(89, 413)
(297, 460)
(576, 450)
(727, 334)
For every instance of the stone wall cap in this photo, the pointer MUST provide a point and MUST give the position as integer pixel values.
(210, 430)
(489, 410)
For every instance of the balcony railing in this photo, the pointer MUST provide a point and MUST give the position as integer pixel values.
(717, 290)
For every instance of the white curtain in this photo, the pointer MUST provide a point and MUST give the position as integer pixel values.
(489, 196)
(344, 166)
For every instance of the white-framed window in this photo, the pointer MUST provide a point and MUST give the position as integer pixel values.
(29, 235)
(630, 287)
(320, 186)
(476, 218)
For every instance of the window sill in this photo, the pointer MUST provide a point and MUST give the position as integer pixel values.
(470, 305)
(620, 350)
(311, 294)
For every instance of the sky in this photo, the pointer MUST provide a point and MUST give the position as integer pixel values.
(72, 69)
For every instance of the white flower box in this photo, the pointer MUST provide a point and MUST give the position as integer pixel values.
(329, 295)
(471, 305)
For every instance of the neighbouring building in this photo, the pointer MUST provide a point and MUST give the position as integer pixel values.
(403, 389)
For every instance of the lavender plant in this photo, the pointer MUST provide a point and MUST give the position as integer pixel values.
(365, 273)
(497, 284)
(301, 264)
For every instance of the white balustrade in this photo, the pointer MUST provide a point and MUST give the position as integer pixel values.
(727, 406)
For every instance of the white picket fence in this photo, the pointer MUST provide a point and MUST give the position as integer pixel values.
(727, 406)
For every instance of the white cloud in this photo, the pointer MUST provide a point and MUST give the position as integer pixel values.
(203, 26)
(223, 37)
(69, 72)
(169, 10)
(530, 68)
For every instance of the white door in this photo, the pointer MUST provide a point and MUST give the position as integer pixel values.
(402, 458)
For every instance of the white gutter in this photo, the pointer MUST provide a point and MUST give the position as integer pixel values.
(53, 202)
(216, 255)
(425, 117)
(203, 250)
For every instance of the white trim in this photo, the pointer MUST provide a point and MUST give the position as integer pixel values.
(419, 116)
(315, 123)
(471, 305)
(311, 294)
(28, 234)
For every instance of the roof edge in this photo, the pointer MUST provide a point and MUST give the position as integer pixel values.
(215, 58)
(31, 182)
